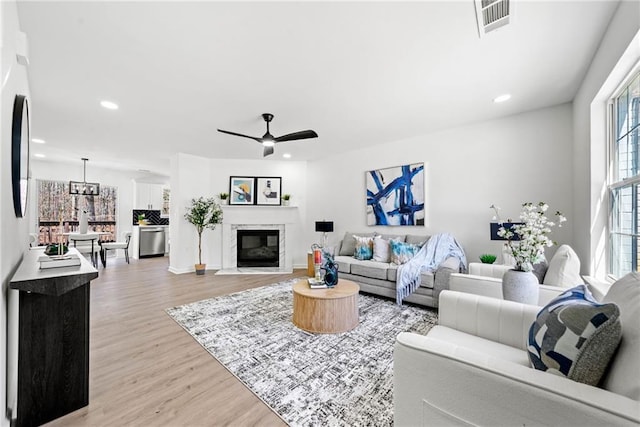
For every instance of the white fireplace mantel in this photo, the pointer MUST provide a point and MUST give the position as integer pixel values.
(257, 217)
(239, 214)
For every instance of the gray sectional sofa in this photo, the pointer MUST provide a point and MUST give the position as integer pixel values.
(379, 278)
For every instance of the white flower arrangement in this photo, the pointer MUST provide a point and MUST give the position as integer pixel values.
(533, 234)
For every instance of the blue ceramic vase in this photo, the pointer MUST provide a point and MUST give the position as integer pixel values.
(330, 269)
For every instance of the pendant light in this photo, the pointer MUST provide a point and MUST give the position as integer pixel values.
(84, 188)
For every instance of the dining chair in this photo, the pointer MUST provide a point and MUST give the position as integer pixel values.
(116, 245)
(86, 243)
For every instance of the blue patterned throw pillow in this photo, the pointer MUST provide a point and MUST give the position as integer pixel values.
(402, 252)
(364, 248)
(575, 336)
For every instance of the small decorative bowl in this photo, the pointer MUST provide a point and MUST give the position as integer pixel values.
(52, 249)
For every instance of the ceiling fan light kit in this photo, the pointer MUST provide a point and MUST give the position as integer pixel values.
(268, 141)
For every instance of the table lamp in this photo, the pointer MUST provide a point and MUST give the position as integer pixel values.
(324, 227)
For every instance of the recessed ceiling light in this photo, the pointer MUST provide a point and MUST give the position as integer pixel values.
(286, 155)
(502, 98)
(109, 105)
(37, 140)
(39, 155)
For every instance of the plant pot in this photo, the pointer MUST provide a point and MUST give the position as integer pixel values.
(200, 269)
(285, 203)
(520, 286)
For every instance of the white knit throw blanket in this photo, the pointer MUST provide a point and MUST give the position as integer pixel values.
(438, 248)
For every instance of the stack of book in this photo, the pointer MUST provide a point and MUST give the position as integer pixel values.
(68, 260)
(316, 283)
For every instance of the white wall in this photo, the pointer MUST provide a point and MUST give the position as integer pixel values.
(618, 52)
(14, 235)
(193, 176)
(526, 157)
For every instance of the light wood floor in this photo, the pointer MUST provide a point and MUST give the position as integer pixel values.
(145, 369)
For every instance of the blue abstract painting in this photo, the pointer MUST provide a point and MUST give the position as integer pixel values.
(395, 196)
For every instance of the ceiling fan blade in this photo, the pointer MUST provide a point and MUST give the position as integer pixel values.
(268, 150)
(303, 134)
(239, 134)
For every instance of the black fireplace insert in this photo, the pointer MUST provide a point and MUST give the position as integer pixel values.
(258, 248)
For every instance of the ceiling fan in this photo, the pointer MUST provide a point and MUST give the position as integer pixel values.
(268, 140)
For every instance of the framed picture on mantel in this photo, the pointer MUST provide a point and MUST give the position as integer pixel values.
(242, 190)
(268, 190)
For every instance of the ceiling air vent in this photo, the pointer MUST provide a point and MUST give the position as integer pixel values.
(492, 14)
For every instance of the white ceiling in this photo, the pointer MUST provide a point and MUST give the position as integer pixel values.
(358, 73)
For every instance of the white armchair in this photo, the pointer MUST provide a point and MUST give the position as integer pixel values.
(486, 279)
(473, 369)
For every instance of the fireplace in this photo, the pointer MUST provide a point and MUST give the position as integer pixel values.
(258, 248)
(241, 218)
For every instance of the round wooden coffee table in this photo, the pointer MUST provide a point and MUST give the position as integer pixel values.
(326, 311)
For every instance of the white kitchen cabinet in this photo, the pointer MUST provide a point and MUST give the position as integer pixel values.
(148, 196)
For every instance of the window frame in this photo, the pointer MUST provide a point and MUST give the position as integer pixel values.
(613, 168)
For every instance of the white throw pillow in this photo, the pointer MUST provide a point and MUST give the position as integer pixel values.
(624, 372)
(564, 269)
(380, 249)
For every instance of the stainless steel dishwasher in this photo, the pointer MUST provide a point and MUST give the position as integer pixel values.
(151, 241)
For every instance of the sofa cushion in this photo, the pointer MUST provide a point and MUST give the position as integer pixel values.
(348, 246)
(402, 252)
(364, 247)
(564, 269)
(344, 263)
(470, 342)
(373, 269)
(575, 336)
(426, 277)
(624, 374)
(392, 272)
(416, 239)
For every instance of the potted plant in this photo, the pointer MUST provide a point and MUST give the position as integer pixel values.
(519, 284)
(203, 213)
(285, 199)
(488, 258)
(224, 198)
(142, 220)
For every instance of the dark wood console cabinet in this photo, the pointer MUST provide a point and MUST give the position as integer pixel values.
(53, 339)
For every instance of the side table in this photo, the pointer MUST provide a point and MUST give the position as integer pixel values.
(310, 268)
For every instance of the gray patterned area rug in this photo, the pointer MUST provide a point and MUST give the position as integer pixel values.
(307, 379)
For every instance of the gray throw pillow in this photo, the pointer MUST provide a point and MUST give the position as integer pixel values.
(540, 269)
(575, 336)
